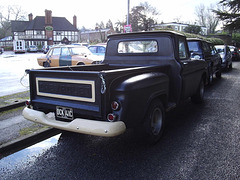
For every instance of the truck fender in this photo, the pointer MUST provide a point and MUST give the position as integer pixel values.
(142, 81)
(136, 92)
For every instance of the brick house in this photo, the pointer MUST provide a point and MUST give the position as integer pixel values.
(45, 30)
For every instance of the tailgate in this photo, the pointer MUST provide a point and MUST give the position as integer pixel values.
(78, 91)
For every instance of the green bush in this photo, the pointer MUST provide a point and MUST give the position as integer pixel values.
(215, 41)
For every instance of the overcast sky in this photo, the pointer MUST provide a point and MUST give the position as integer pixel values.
(90, 12)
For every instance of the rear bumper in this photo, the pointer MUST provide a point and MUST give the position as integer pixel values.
(78, 125)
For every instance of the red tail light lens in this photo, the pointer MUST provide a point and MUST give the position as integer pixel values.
(111, 117)
(115, 105)
(28, 103)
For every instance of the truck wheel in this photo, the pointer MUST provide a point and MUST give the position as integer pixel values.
(198, 97)
(210, 78)
(154, 122)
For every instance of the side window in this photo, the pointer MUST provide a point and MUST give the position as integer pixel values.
(93, 49)
(56, 51)
(65, 52)
(101, 50)
(182, 49)
(228, 50)
(213, 50)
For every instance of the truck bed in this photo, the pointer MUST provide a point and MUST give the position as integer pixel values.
(81, 88)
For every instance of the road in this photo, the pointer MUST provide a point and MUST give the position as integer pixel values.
(200, 142)
(12, 69)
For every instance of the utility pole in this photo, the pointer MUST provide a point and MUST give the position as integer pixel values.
(128, 12)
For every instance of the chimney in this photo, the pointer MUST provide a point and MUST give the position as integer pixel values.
(75, 21)
(30, 17)
(48, 17)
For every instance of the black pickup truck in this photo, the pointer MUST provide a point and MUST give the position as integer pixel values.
(142, 76)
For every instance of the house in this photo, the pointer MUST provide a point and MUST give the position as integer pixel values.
(177, 27)
(96, 36)
(45, 30)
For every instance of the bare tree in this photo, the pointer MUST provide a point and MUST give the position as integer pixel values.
(6, 15)
(206, 17)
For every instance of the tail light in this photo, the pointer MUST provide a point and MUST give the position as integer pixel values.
(27, 103)
(111, 117)
(115, 105)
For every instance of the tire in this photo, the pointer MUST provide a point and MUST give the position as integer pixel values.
(199, 96)
(154, 122)
(80, 63)
(46, 64)
(210, 78)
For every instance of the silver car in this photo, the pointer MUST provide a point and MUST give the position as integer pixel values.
(226, 56)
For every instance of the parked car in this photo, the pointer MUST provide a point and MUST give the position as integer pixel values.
(46, 48)
(67, 56)
(226, 56)
(98, 50)
(81, 44)
(200, 49)
(32, 48)
(235, 53)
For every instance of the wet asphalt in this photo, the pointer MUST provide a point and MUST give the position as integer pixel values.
(200, 142)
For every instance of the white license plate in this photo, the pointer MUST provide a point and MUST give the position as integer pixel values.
(64, 112)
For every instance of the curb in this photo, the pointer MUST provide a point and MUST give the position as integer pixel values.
(26, 141)
(12, 106)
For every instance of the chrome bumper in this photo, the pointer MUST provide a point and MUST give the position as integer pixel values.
(78, 125)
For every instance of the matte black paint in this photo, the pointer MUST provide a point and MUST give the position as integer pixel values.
(132, 80)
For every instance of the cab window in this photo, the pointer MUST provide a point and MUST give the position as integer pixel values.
(182, 49)
(132, 47)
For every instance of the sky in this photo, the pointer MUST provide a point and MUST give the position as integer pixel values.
(90, 12)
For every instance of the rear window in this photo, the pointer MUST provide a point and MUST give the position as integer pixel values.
(150, 46)
(193, 46)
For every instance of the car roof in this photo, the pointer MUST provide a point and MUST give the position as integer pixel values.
(97, 45)
(198, 39)
(70, 46)
(146, 33)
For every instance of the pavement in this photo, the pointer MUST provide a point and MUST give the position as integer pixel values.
(11, 137)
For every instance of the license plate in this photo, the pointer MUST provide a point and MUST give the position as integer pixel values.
(64, 112)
